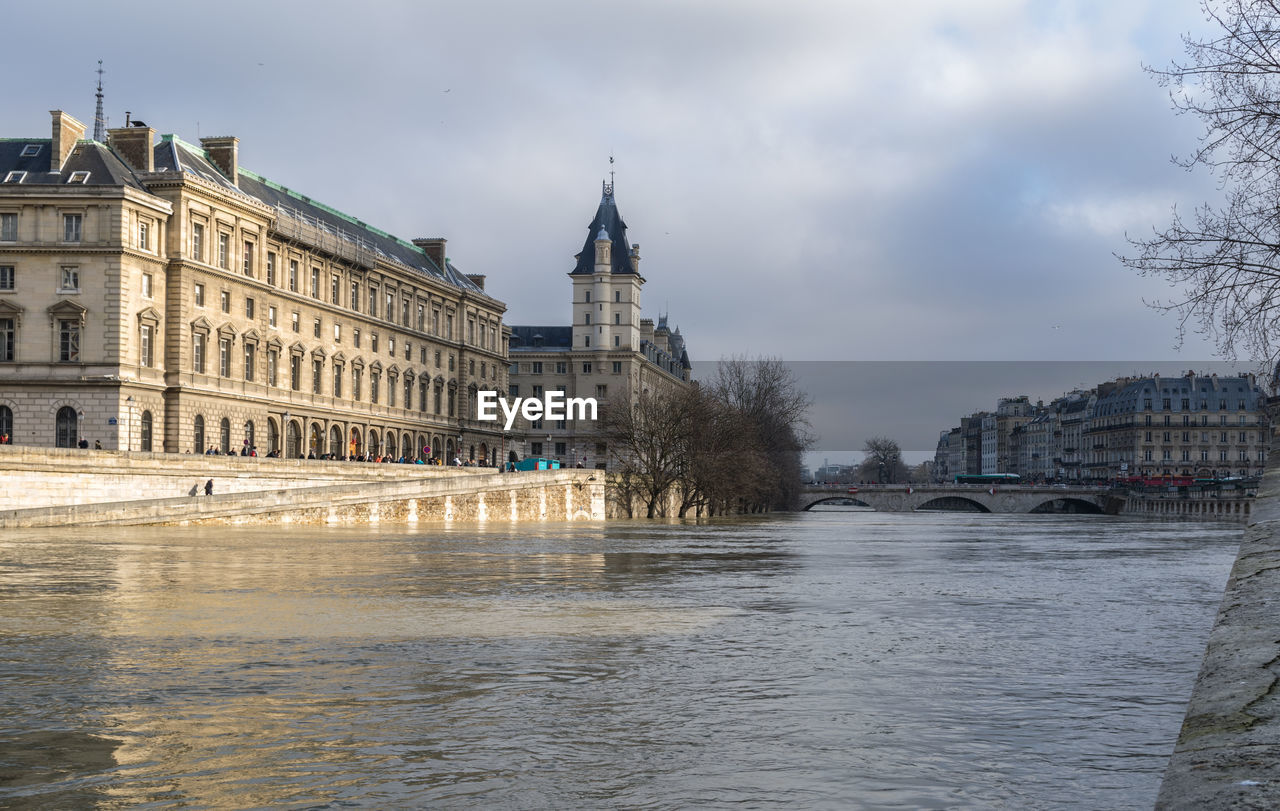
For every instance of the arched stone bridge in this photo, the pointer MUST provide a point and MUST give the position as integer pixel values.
(972, 498)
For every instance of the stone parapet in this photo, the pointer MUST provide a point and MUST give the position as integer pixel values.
(564, 495)
(1228, 752)
(47, 477)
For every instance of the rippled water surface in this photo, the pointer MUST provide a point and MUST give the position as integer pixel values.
(821, 660)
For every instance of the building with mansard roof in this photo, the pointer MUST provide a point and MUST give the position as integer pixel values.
(154, 295)
(608, 351)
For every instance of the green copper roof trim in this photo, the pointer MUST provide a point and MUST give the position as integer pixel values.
(303, 198)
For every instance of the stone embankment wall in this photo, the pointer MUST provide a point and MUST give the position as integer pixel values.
(88, 488)
(39, 477)
(1228, 752)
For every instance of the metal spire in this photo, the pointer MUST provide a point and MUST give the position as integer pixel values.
(99, 121)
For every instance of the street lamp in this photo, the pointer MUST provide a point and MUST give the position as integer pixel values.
(128, 437)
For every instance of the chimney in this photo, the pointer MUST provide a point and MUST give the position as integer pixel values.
(224, 151)
(66, 131)
(133, 144)
(433, 247)
(478, 278)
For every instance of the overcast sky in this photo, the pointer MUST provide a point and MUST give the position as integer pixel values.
(929, 180)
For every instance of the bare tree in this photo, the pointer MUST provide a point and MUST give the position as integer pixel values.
(1225, 258)
(883, 462)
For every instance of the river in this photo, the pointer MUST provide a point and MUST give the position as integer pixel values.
(835, 659)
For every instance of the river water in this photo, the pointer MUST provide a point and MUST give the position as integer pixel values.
(820, 660)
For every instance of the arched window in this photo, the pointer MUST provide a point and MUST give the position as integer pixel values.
(355, 446)
(390, 445)
(67, 436)
(406, 446)
(249, 434)
(198, 433)
(316, 443)
(6, 422)
(335, 441)
(145, 430)
(273, 436)
(293, 440)
(373, 442)
(224, 435)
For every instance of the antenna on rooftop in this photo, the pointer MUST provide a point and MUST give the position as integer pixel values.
(99, 122)
(611, 173)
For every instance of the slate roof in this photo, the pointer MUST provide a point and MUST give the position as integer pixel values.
(607, 217)
(552, 339)
(103, 166)
(174, 154)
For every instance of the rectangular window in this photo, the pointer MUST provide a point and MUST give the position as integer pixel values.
(355, 296)
(271, 268)
(602, 392)
(296, 322)
(617, 296)
(586, 368)
(535, 448)
(448, 326)
(199, 295)
(197, 242)
(315, 328)
(315, 283)
(8, 227)
(224, 357)
(146, 285)
(375, 383)
(588, 297)
(273, 361)
(146, 357)
(617, 340)
(537, 368)
(390, 312)
(373, 301)
(562, 368)
(224, 251)
(337, 333)
(71, 227)
(293, 275)
(586, 340)
(317, 370)
(422, 318)
(373, 342)
(248, 258)
(69, 279)
(617, 367)
(391, 346)
(295, 372)
(435, 322)
(391, 391)
(248, 308)
(404, 312)
(355, 338)
(144, 243)
(8, 339)
(561, 448)
(224, 300)
(357, 383)
(337, 380)
(250, 351)
(335, 289)
(197, 352)
(271, 316)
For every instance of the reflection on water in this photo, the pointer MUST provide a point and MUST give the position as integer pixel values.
(820, 660)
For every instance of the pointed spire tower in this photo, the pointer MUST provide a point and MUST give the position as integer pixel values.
(99, 120)
(606, 284)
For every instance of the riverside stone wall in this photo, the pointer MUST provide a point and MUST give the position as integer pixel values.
(1228, 751)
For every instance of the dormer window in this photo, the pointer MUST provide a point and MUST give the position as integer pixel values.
(31, 150)
(15, 177)
(79, 177)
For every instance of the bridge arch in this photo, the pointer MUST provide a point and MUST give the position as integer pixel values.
(954, 504)
(856, 502)
(1074, 506)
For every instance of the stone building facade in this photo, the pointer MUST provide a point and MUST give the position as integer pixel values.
(608, 352)
(156, 296)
